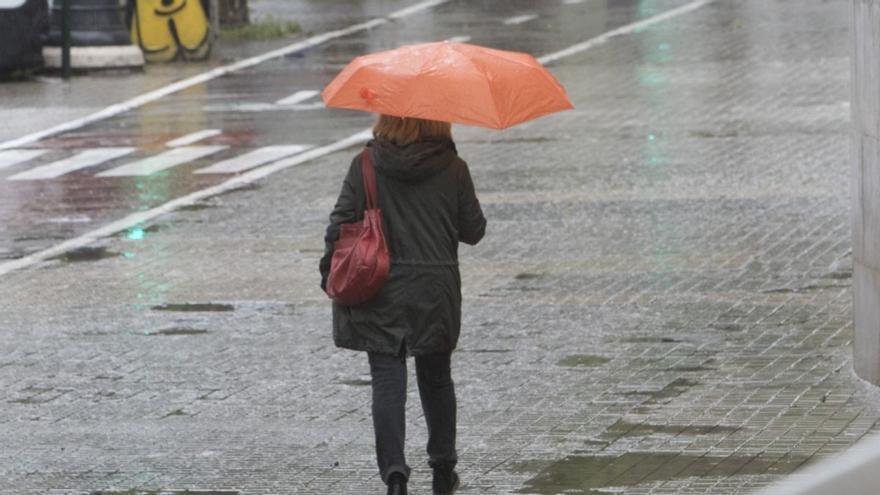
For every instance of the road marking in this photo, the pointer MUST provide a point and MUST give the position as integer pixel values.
(520, 19)
(459, 39)
(83, 159)
(573, 2)
(298, 97)
(408, 11)
(147, 215)
(9, 158)
(162, 161)
(263, 107)
(217, 72)
(193, 138)
(253, 159)
(629, 28)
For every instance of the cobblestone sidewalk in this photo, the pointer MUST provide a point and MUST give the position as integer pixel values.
(662, 303)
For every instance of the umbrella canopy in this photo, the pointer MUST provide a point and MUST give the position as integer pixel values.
(451, 82)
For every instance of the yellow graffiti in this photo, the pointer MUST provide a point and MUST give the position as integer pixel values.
(170, 29)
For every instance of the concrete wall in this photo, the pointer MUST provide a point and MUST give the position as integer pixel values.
(865, 151)
(855, 471)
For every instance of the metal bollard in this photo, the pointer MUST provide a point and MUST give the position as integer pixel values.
(65, 39)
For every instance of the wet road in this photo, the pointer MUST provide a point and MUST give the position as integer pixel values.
(73, 182)
(661, 303)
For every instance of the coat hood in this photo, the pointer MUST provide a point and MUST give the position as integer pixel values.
(413, 162)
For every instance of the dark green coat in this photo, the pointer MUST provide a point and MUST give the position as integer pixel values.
(428, 205)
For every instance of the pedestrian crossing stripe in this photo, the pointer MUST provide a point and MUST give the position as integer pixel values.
(520, 19)
(9, 158)
(193, 138)
(162, 161)
(93, 157)
(298, 97)
(253, 159)
(83, 159)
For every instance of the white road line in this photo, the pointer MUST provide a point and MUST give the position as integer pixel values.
(459, 39)
(629, 28)
(217, 72)
(147, 215)
(83, 159)
(263, 107)
(9, 158)
(520, 19)
(408, 11)
(162, 161)
(193, 137)
(573, 2)
(298, 97)
(255, 158)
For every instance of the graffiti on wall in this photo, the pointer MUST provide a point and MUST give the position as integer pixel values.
(169, 30)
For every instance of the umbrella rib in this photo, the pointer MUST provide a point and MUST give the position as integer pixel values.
(488, 79)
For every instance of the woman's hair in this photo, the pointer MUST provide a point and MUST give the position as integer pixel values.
(405, 130)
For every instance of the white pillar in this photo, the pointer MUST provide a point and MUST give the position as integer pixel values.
(865, 151)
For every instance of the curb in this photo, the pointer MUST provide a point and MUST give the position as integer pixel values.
(96, 57)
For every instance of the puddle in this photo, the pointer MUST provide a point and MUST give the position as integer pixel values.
(582, 361)
(689, 368)
(107, 377)
(651, 340)
(805, 288)
(595, 444)
(86, 253)
(244, 188)
(528, 276)
(28, 400)
(178, 331)
(277, 308)
(627, 429)
(727, 327)
(194, 307)
(674, 389)
(838, 275)
(165, 492)
(591, 474)
(709, 134)
(779, 290)
(178, 412)
(137, 233)
(356, 382)
(196, 207)
(33, 238)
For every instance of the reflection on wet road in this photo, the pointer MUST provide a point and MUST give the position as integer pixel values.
(661, 305)
(73, 182)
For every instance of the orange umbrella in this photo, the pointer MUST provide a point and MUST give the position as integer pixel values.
(452, 82)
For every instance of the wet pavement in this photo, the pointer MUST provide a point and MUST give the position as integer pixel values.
(661, 304)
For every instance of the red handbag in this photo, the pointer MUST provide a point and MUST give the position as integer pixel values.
(361, 263)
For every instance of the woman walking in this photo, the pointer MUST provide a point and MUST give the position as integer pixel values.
(428, 206)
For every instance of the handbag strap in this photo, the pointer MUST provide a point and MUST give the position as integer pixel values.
(369, 174)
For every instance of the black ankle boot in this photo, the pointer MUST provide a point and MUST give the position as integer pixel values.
(396, 484)
(445, 481)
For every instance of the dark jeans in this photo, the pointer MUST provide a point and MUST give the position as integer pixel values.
(437, 393)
